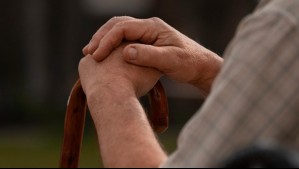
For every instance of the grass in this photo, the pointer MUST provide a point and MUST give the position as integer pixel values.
(28, 149)
(32, 149)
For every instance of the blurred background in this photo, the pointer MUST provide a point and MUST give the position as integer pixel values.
(41, 42)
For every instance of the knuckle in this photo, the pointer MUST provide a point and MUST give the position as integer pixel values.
(117, 19)
(113, 20)
(124, 22)
(118, 29)
(120, 25)
(156, 19)
(157, 22)
(111, 41)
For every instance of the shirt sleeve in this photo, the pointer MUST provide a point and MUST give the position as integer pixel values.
(256, 95)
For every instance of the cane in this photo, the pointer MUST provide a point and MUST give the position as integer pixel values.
(75, 121)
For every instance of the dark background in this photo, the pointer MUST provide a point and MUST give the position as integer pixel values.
(41, 42)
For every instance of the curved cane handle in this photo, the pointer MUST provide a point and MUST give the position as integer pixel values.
(158, 108)
(73, 127)
(75, 120)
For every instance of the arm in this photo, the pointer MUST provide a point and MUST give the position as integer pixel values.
(112, 88)
(125, 136)
(255, 97)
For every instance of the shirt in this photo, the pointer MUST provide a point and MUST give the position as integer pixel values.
(256, 95)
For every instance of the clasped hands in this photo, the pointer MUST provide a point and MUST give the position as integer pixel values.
(134, 68)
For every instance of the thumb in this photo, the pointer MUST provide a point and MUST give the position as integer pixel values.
(147, 56)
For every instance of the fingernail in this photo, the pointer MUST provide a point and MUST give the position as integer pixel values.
(132, 53)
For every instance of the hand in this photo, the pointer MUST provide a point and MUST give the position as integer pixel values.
(114, 73)
(162, 48)
(112, 87)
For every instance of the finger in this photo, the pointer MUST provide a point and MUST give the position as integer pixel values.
(85, 50)
(145, 31)
(150, 56)
(97, 37)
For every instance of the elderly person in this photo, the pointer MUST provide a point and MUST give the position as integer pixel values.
(252, 95)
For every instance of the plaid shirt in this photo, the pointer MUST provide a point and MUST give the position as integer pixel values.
(256, 95)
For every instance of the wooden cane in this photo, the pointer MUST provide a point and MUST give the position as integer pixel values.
(75, 121)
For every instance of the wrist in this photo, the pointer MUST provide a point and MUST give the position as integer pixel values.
(207, 73)
(106, 93)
